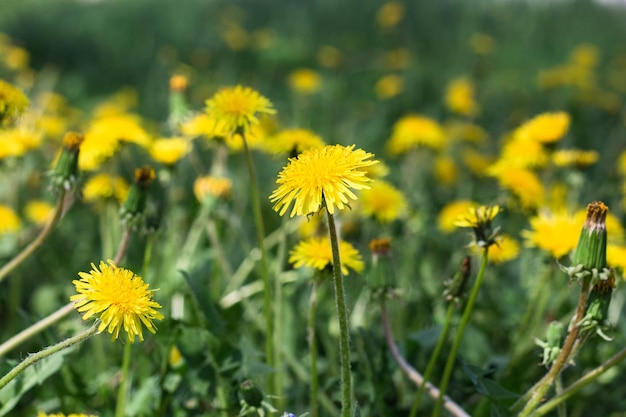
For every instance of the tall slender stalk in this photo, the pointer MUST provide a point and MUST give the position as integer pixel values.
(447, 373)
(342, 315)
(122, 390)
(313, 408)
(267, 294)
(433, 359)
(49, 351)
(30, 249)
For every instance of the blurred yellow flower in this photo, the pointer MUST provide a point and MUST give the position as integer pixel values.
(17, 141)
(9, 220)
(476, 161)
(482, 44)
(238, 107)
(316, 252)
(329, 56)
(234, 36)
(523, 183)
(119, 298)
(379, 170)
(585, 55)
(104, 186)
(506, 249)
(38, 212)
(465, 131)
(103, 136)
(555, 232)
(219, 187)
(313, 225)
(293, 141)
(321, 176)
(13, 102)
(175, 358)
(383, 202)
(397, 59)
(446, 170)
(616, 256)
(390, 14)
(168, 151)
(16, 58)
(477, 217)
(42, 414)
(389, 86)
(449, 214)
(203, 124)
(305, 81)
(412, 131)
(460, 97)
(523, 152)
(545, 127)
(574, 157)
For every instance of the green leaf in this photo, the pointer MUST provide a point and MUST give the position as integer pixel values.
(484, 384)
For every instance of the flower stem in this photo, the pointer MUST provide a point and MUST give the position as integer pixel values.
(535, 395)
(447, 373)
(36, 328)
(411, 373)
(123, 246)
(267, 296)
(51, 350)
(313, 410)
(124, 383)
(580, 384)
(30, 249)
(342, 315)
(433, 359)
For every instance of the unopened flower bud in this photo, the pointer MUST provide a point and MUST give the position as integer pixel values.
(381, 277)
(132, 212)
(65, 172)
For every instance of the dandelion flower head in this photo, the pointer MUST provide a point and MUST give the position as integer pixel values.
(238, 107)
(321, 175)
(9, 220)
(506, 249)
(389, 86)
(204, 187)
(448, 215)
(383, 202)
(546, 127)
(460, 97)
(305, 81)
(12, 102)
(316, 252)
(575, 158)
(555, 232)
(412, 131)
(119, 298)
(523, 183)
(38, 211)
(288, 141)
(168, 151)
(103, 186)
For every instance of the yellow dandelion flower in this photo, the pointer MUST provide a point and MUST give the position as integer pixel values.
(397, 59)
(476, 162)
(412, 131)
(12, 102)
(379, 170)
(293, 141)
(555, 232)
(446, 170)
(449, 214)
(574, 157)
(103, 186)
(546, 127)
(390, 14)
(523, 183)
(219, 187)
(9, 220)
(317, 253)
(18, 141)
(238, 107)
(256, 138)
(305, 81)
(616, 256)
(476, 217)
(506, 249)
(203, 124)
(329, 56)
(465, 131)
(235, 36)
(482, 44)
(383, 202)
(389, 86)
(524, 152)
(16, 58)
(119, 298)
(175, 358)
(319, 176)
(169, 151)
(585, 55)
(38, 212)
(460, 97)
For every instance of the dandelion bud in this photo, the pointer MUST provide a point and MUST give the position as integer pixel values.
(456, 286)
(65, 172)
(133, 209)
(178, 103)
(596, 315)
(381, 277)
(552, 345)
(250, 394)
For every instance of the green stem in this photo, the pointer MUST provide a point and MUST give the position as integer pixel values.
(535, 395)
(36, 328)
(51, 350)
(447, 373)
(267, 296)
(580, 384)
(433, 359)
(313, 410)
(30, 249)
(342, 315)
(281, 254)
(122, 390)
(123, 246)
(558, 384)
